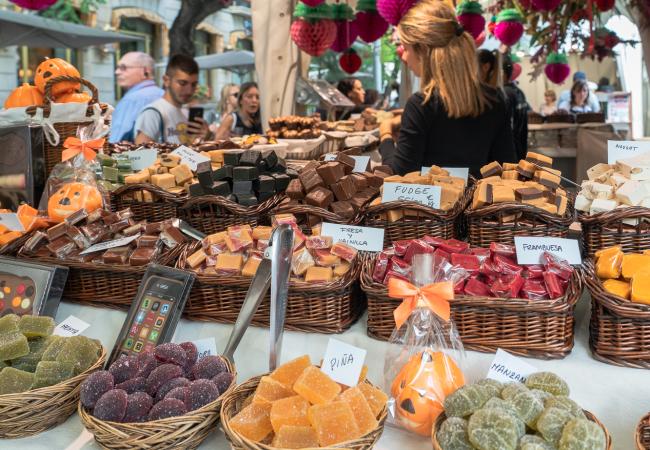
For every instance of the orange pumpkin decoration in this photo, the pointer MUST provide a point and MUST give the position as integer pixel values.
(420, 388)
(56, 67)
(74, 97)
(25, 95)
(72, 197)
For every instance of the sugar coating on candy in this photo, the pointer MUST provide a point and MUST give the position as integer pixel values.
(111, 406)
(532, 442)
(138, 406)
(179, 393)
(223, 381)
(510, 389)
(582, 434)
(94, 386)
(13, 345)
(289, 411)
(466, 400)
(147, 363)
(191, 354)
(493, 387)
(125, 368)
(365, 419)
(334, 422)
(253, 421)
(170, 353)
(133, 385)
(528, 407)
(289, 372)
(452, 435)
(36, 326)
(315, 386)
(49, 373)
(81, 351)
(9, 324)
(549, 382)
(161, 375)
(36, 349)
(492, 429)
(551, 423)
(13, 381)
(54, 348)
(375, 397)
(167, 408)
(209, 367)
(498, 403)
(542, 395)
(292, 436)
(171, 384)
(200, 393)
(562, 402)
(270, 390)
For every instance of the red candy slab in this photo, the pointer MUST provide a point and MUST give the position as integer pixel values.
(534, 290)
(535, 272)
(470, 263)
(507, 286)
(553, 285)
(433, 241)
(477, 288)
(398, 265)
(381, 267)
(506, 265)
(559, 267)
(400, 247)
(417, 247)
(502, 249)
(393, 274)
(439, 253)
(454, 246)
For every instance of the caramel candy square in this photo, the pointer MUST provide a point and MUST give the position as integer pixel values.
(319, 275)
(341, 269)
(170, 160)
(262, 233)
(334, 423)
(363, 415)
(375, 397)
(289, 372)
(289, 411)
(182, 173)
(316, 387)
(196, 258)
(526, 169)
(253, 422)
(164, 180)
(492, 169)
(270, 390)
(290, 436)
(228, 264)
(216, 238)
(250, 268)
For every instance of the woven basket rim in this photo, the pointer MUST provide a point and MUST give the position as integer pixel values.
(614, 303)
(16, 244)
(231, 206)
(603, 218)
(168, 196)
(643, 423)
(47, 108)
(513, 208)
(322, 213)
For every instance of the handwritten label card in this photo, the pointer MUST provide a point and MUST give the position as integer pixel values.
(361, 163)
(110, 244)
(507, 368)
(142, 158)
(343, 362)
(10, 220)
(330, 157)
(72, 326)
(362, 238)
(530, 249)
(460, 172)
(625, 149)
(206, 347)
(420, 193)
(190, 157)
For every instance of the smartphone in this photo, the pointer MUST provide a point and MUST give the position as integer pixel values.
(195, 111)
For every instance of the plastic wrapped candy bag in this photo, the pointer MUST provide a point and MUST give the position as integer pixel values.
(425, 358)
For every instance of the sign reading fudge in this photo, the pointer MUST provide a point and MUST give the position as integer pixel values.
(420, 193)
(362, 238)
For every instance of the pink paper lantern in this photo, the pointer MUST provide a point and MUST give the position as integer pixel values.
(313, 38)
(35, 5)
(557, 68)
(516, 71)
(346, 34)
(394, 10)
(370, 25)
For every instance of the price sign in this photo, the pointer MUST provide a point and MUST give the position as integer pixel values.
(530, 249)
(343, 362)
(508, 368)
(420, 193)
(362, 238)
(625, 149)
(330, 157)
(361, 163)
(110, 244)
(10, 220)
(190, 157)
(142, 158)
(71, 326)
(206, 347)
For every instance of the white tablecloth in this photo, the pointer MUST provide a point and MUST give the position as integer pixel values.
(618, 396)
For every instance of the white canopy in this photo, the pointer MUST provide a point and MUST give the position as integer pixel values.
(240, 62)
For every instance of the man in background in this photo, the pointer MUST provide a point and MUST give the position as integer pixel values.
(565, 96)
(518, 107)
(134, 73)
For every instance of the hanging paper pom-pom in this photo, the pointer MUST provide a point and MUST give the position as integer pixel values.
(605, 5)
(346, 30)
(557, 67)
(35, 5)
(516, 67)
(349, 61)
(313, 31)
(545, 5)
(369, 24)
(470, 16)
(394, 10)
(509, 26)
(312, 3)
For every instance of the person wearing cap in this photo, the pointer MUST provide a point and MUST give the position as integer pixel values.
(565, 96)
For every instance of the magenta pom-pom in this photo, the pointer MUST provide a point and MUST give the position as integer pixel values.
(508, 32)
(557, 72)
(394, 10)
(370, 25)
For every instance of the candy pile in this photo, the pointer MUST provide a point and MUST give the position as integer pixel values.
(626, 275)
(68, 239)
(537, 415)
(525, 182)
(478, 272)
(299, 406)
(28, 218)
(31, 357)
(294, 127)
(151, 386)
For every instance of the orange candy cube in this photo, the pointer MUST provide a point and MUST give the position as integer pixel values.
(290, 436)
(253, 422)
(363, 415)
(289, 411)
(316, 387)
(288, 373)
(334, 423)
(375, 397)
(270, 390)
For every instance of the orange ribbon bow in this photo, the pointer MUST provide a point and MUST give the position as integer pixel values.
(74, 146)
(434, 296)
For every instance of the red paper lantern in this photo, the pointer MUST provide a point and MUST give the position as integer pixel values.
(349, 61)
(545, 5)
(35, 5)
(605, 5)
(516, 71)
(470, 16)
(509, 28)
(346, 30)
(313, 38)
(557, 67)
(369, 24)
(394, 10)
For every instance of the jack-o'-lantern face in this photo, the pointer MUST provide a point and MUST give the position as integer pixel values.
(56, 67)
(72, 197)
(420, 388)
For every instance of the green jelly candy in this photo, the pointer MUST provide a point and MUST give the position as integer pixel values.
(498, 403)
(466, 400)
(3, 365)
(110, 173)
(49, 373)
(549, 382)
(105, 160)
(452, 435)
(9, 324)
(13, 345)
(542, 395)
(493, 429)
(493, 387)
(562, 402)
(81, 351)
(14, 380)
(36, 326)
(36, 349)
(580, 434)
(532, 442)
(510, 389)
(528, 407)
(53, 348)
(551, 423)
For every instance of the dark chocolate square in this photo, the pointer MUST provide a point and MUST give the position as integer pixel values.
(250, 158)
(242, 187)
(220, 188)
(245, 173)
(281, 181)
(263, 196)
(270, 158)
(196, 190)
(264, 183)
(222, 173)
(247, 199)
(231, 158)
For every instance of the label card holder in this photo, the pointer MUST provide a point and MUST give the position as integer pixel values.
(206, 347)
(362, 238)
(626, 149)
(507, 368)
(343, 362)
(190, 157)
(11, 221)
(530, 249)
(71, 326)
(420, 193)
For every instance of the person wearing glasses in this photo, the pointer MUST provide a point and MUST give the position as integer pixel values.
(246, 119)
(134, 73)
(166, 120)
(228, 100)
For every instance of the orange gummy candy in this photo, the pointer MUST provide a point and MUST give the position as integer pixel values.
(289, 411)
(290, 436)
(288, 373)
(270, 390)
(316, 386)
(253, 421)
(375, 397)
(334, 423)
(363, 415)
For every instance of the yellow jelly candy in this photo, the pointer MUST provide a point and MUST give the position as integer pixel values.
(617, 287)
(253, 421)
(291, 436)
(363, 415)
(316, 387)
(632, 263)
(641, 287)
(609, 262)
(270, 390)
(375, 397)
(334, 423)
(289, 411)
(288, 373)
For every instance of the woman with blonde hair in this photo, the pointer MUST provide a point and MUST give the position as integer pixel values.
(228, 100)
(455, 121)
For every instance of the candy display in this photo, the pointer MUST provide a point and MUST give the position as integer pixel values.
(294, 127)
(29, 219)
(625, 275)
(71, 197)
(156, 385)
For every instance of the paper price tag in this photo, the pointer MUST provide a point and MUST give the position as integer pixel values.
(460, 172)
(330, 157)
(507, 368)
(190, 157)
(142, 158)
(110, 244)
(530, 249)
(625, 149)
(361, 163)
(206, 347)
(362, 238)
(10, 220)
(343, 362)
(419, 193)
(71, 326)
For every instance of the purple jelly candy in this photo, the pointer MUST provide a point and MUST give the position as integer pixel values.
(192, 354)
(147, 363)
(167, 408)
(161, 375)
(179, 393)
(200, 393)
(170, 353)
(133, 385)
(209, 367)
(171, 384)
(138, 406)
(93, 387)
(223, 381)
(124, 368)
(111, 406)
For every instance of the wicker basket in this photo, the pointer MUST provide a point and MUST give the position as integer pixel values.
(308, 215)
(180, 432)
(212, 213)
(319, 308)
(487, 224)
(607, 229)
(619, 330)
(52, 153)
(315, 148)
(590, 416)
(12, 247)
(540, 329)
(29, 413)
(234, 402)
(165, 204)
(643, 433)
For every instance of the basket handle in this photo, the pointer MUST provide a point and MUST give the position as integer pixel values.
(51, 82)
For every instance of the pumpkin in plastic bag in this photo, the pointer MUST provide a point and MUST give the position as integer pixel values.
(72, 197)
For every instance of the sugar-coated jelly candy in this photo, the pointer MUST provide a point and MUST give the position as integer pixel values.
(13, 381)
(582, 434)
(466, 400)
(528, 406)
(171, 384)
(270, 390)
(315, 386)
(49, 373)
(81, 351)
(223, 381)
(499, 403)
(375, 397)
(289, 372)
(334, 422)
(138, 406)
(452, 435)
(493, 429)
(209, 367)
(289, 411)
(36, 326)
(147, 363)
(13, 345)
(133, 385)
(167, 408)
(253, 422)
(36, 349)
(200, 393)
(549, 382)
(532, 442)
(54, 348)
(292, 436)
(365, 419)
(563, 402)
(111, 406)
(125, 368)
(191, 354)
(494, 387)
(161, 375)
(511, 389)
(97, 384)
(170, 353)
(9, 323)
(551, 423)
(179, 393)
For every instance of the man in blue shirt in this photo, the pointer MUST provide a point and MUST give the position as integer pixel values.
(134, 72)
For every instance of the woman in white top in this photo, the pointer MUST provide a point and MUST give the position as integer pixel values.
(579, 102)
(548, 107)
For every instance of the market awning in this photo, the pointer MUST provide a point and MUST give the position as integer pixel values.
(240, 62)
(36, 31)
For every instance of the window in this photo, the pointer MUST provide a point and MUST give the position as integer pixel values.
(31, 57)
(143, 28)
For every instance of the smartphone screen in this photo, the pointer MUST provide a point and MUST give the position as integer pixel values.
(195, 112)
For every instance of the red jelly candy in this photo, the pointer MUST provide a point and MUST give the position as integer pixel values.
(400, 266)
(125, 368)
(534, 272)
(400, 247)
(467, 262)
(507, 286)
(454, 246)
(393, 274)
(200, 393)
(192, 354)
(111, 406)
(97, 384)
(433, 241)
(179, 393)
(209, 367)
(441, 254)
(170, 353)
(161, 375)
(477, 288)
(138, 406)
(502, 249)
(167, 408)
(223, 381)
(417, 247)
(558, 266)
(488, 269)
(381, 267)
(553, 285)
(482, 253)
(171, 384)
(534, 290)
(133, 385)
(147, 363)
(506, 265)
(459, 286)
